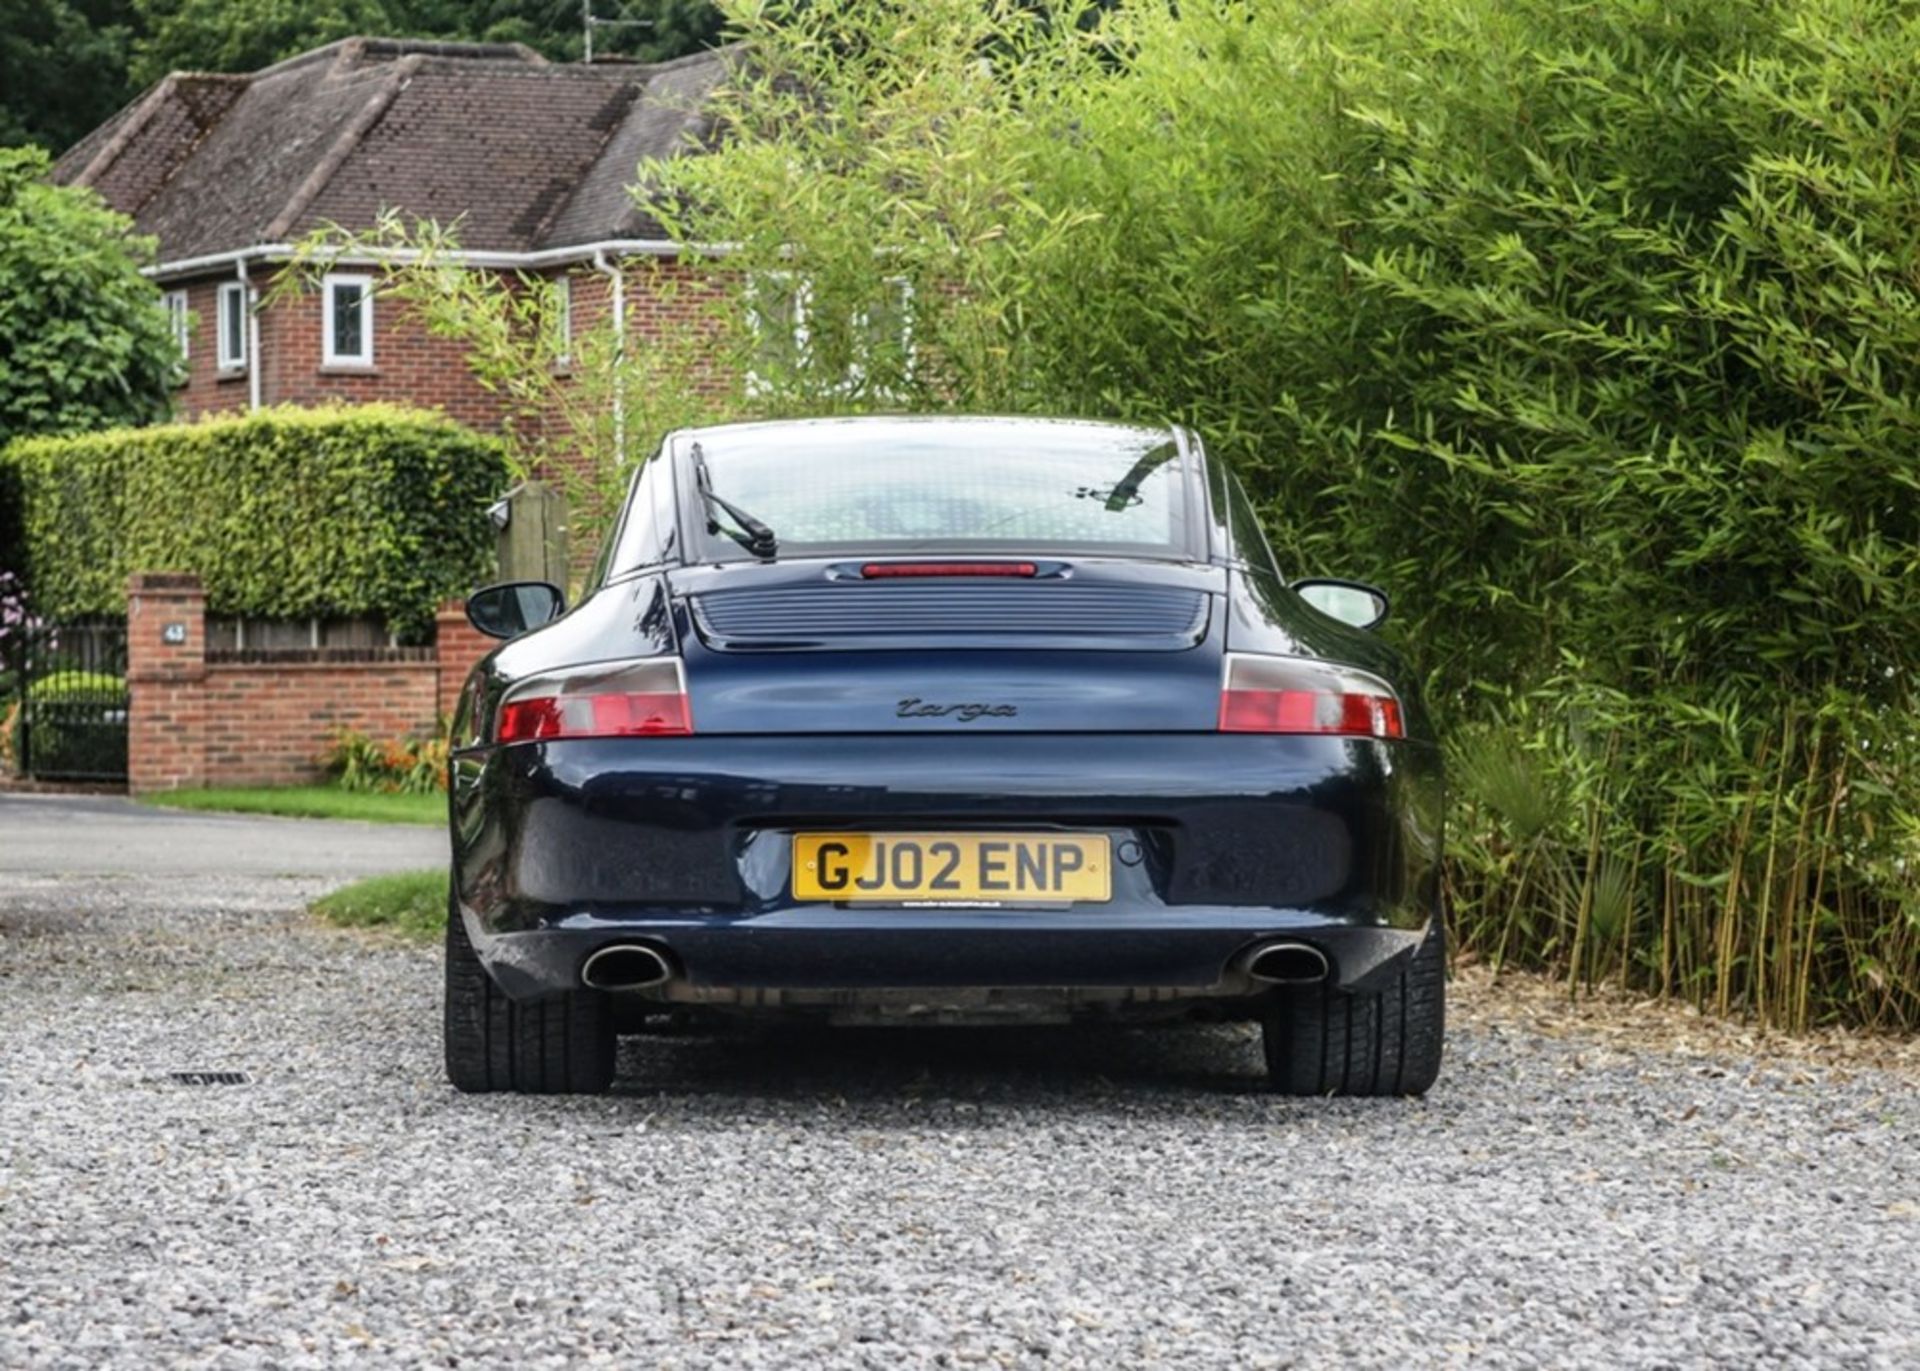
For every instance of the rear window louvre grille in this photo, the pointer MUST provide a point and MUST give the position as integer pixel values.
(898, 613)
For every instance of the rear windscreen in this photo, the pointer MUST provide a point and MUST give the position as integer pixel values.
(991, 487)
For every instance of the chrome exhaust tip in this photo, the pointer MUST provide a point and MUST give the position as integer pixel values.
(1282, 963)
(626, 966)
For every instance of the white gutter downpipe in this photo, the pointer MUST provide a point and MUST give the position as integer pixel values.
(251, 298)
(617, 286)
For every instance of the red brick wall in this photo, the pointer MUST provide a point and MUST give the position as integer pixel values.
(207, 389)
(664, 299)
(269, 723)
(200, 719)
(668, 298)
(410, 367)
(461, 646)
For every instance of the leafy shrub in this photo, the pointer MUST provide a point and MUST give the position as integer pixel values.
(83, 334)
(16, 620)
(410, 766)
(1591, 331)
(79, 687)
(286, 513)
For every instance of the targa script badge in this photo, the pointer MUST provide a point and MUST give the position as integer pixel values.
(913, 707)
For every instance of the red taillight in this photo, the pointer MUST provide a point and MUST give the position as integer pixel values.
(1308, 711)
(881, 571)
(609, 700)
(594, 716)
(1284, 695)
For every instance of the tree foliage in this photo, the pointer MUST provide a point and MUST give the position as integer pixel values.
(63, 66)
(244, 35)
(1588, 330)
(641, 30)
(83, 339)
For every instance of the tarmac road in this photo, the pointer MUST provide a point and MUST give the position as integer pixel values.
(102, 835)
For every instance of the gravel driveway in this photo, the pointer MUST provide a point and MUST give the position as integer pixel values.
(1072, 1198)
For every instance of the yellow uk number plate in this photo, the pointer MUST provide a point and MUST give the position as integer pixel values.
(941, 868)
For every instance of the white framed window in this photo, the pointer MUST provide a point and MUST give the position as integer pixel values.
(562, 321)
(777, 316)
(180, 322)
(233, 326)
(779, 306)
(883, 336)
(346, 321)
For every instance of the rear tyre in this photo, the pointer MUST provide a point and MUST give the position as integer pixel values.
(1322, 1041)
(557, 1045)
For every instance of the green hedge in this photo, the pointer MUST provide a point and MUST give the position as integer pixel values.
(287, 513)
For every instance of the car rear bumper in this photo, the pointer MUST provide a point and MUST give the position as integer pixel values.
(1192, 956)
(1221, 843)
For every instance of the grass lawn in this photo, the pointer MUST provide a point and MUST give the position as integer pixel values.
(411, 903)
(310, 802)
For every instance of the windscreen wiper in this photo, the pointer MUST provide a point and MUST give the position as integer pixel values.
(1127, 489)
(751, 534)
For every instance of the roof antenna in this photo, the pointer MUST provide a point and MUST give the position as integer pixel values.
(589, 21)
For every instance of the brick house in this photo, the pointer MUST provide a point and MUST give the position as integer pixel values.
(533, 159)
(229, 172)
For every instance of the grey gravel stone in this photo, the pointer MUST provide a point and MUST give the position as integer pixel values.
(1073, 1198)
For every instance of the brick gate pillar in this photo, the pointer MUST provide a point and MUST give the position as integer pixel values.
(166, 680)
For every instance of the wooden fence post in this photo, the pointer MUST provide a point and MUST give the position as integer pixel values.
(533, 545)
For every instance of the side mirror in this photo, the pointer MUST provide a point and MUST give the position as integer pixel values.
(514, 607)
(1351, 602)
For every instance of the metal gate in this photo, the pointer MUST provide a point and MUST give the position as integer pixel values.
(71, 681)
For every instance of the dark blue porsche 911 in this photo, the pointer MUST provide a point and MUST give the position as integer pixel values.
(943, 720)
